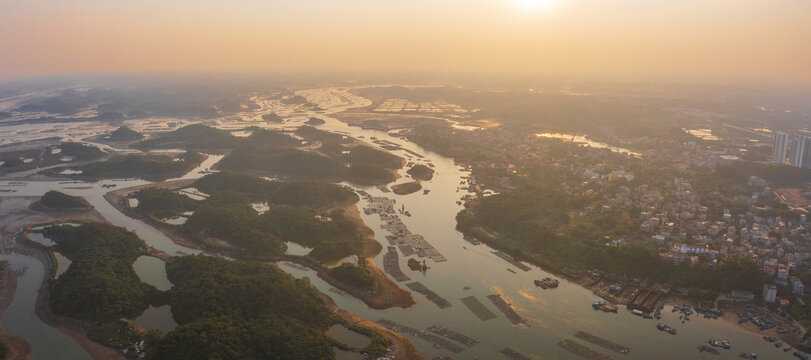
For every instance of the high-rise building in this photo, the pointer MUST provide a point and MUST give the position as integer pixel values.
(780, 147)
(801, 150)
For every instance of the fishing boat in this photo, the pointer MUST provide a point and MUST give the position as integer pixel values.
(547, 283)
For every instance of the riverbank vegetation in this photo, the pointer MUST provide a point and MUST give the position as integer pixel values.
(533, 223)
(239, 310)
(100, 283)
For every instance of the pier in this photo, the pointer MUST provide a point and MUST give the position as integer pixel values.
(453, 335)
(507, 309)
(645, 300)
(436, 299)
(437, 341)
(596, 340)
(391, 265)
(477, 308)
(582, 350)
(512, 261)
(514, 355)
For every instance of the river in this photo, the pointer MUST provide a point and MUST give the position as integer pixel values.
(552, 315)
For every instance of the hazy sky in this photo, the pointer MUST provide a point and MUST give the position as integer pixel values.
(743, 39)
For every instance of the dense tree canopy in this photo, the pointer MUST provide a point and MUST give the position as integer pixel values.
(57, 200)
(100, 283)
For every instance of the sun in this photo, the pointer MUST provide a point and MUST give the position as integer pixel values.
(534, 5)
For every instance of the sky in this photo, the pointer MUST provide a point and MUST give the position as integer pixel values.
(745, 40)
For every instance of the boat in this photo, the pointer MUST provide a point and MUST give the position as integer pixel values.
(547, 283)
(637, 312)
(665, 328)
(604, 306)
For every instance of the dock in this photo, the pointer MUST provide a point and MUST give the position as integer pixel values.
(337, 291)
(582, 350)
(391, 265)
(437, 341)
(507, 309)
(512, 261)
(645, 300)
(477, 308)
(514, 355)
(453, 335)
(596, 340)
(436, 299)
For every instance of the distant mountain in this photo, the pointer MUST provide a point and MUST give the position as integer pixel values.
(272, 117)
(125, 134)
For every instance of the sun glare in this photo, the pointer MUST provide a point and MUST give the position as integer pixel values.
(534, 5)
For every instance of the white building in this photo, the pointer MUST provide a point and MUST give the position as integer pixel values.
(780, 147)
(769, 293)
(797, 287)
(694, 250)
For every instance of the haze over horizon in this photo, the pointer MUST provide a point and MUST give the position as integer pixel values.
(725, 40)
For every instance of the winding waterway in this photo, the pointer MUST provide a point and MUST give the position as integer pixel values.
(471, 270)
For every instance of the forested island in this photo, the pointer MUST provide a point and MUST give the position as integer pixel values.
(406, 188)
(192, 137)
(337, 158)
(66, 152)
(148, 167)
(304, 212)
(100, 284)
(225, 309)
(60, 201)
(421, 172)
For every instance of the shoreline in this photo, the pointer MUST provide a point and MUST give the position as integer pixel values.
(19, 349)
(75, 329)
(405, 347)
(12, 230)
(729, 315)
(387, 293)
